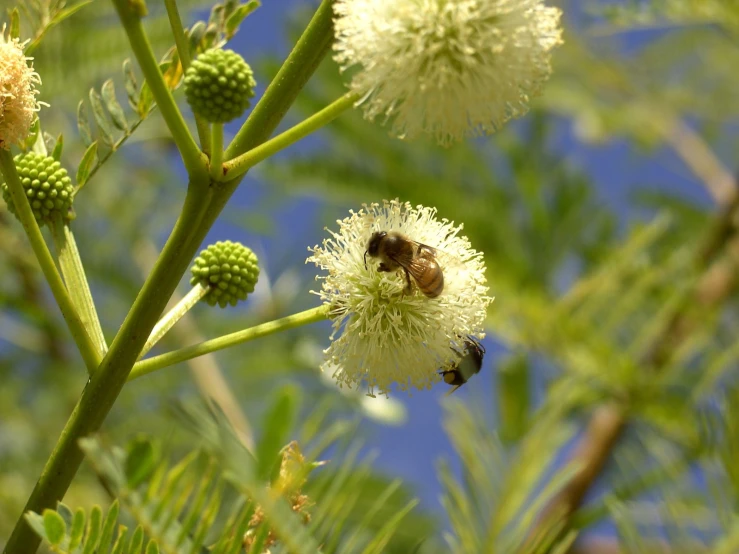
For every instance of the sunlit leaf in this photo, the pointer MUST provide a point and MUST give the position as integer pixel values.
(83, 124)
(86, 164)
(58, 148)
(114, 108)
(145, 101)
(105, 131)
(132, 88)
(15, 23)
(238, 15)
(275, 431)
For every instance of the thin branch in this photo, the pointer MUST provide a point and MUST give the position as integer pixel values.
(183, 51)
(717, 282)
(205, 370)
(701, 160)
(149, 365)
(309, 51)
(241, 164)
(46, 261)
(192, 157)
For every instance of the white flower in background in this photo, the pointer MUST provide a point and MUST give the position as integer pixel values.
(448, 68)
(18, 104)
(381, 334)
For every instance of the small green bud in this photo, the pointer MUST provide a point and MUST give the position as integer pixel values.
(218, 85)
(229, 269)
(48, 187)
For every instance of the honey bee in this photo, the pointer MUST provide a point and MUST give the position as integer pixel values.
(470, 364)
(396, 251)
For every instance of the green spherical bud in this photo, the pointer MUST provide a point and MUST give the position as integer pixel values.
(229, 269)
(218, 85)
(48, 187)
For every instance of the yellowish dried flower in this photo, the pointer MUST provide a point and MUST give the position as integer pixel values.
(293, 474)
(18, 103)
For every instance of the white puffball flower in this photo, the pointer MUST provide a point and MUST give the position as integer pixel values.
(18, 104)
(381, 334)
(447, 68)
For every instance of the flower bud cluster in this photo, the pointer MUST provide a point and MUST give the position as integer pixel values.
(230, 269)
(48, 187)
(219, 85)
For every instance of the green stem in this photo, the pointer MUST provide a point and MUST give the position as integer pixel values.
(199, 214)
(192, 157)
(76, 280)
(180, 40)
(106, 383)
(241, 164)
(116, 146)
(183, 51)
(310, 49)
(46, 261)
(144, 367)
(216, 152)
(196, 294)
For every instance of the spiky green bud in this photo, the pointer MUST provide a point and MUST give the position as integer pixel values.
(48, 187)
(230, 269)
(219, 85)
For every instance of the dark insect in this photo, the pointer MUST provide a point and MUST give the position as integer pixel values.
(396, 251)
(470, 364)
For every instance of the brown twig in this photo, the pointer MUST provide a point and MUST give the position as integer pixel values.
(701, 160)
(716, 283)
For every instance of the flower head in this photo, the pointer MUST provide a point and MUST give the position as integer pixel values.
(385, 334)
(47, 185)
(219, 85)
(229, 269)
(18, 104)
(448, 68)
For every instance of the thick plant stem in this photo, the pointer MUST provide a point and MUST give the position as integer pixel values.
(77, 285)
(81, 338)
(241, 164)
(216, 152)
(310, 49)
(106, 383)
(144, 367)
(192, 157)
(196, 294)
(183, 51)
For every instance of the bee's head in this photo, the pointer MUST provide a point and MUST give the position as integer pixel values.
(373, 246)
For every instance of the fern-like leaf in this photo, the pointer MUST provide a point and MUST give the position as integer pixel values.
(81, 534)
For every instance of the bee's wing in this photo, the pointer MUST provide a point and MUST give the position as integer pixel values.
(445, 260)
(418, 266)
